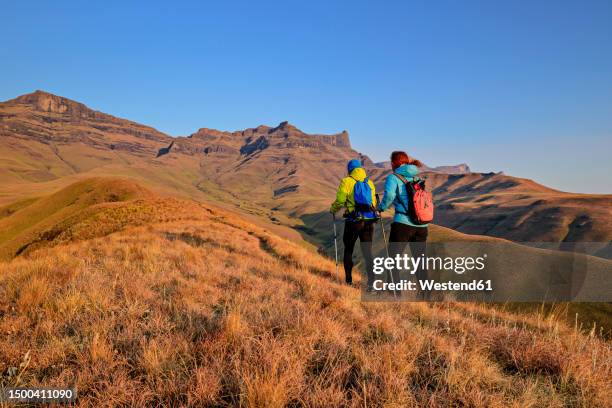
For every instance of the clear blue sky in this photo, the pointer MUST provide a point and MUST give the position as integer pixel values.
(519, 86)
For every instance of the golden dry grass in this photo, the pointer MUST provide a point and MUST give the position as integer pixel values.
(191, 306)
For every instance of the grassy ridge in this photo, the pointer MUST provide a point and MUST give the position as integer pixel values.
(192, 306)
(30, 218)
(12, 208)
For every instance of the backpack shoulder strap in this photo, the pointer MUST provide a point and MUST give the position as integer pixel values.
(365, 180)
(402, 178)
(405, 180)
(408, 204)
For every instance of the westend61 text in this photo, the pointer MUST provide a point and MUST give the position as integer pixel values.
(431, 285)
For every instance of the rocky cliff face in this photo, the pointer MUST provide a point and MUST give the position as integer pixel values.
(281, 162)
(457, 169)
(50, 118)
(42, 101)
(252, 140)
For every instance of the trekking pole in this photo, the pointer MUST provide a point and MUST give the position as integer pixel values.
(382, 227)
(336, 247)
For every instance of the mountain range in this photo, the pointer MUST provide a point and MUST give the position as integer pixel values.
(277, 175)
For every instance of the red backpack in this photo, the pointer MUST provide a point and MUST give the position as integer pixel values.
(420, 205)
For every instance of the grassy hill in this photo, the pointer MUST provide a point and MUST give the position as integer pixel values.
(45, 219)
(143, 300)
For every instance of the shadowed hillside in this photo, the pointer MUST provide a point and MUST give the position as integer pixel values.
(517, 209)
(201, 308)
(520, 209)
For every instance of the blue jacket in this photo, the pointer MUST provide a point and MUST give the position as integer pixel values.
(396, 194)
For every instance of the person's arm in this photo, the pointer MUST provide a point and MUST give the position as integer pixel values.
(341, 196)
(390, 193)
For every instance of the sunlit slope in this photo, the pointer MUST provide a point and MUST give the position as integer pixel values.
(45, 219)
(190, 305)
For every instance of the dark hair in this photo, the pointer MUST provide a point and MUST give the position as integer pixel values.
(398, 158)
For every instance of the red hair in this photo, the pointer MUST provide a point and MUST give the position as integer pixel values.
(398, 158)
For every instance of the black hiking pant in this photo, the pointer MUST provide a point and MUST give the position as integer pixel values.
(416, 238)
(362, 230)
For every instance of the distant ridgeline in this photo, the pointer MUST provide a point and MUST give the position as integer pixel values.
(248, 141)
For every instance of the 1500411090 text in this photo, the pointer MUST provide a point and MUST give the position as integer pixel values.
(37, 395)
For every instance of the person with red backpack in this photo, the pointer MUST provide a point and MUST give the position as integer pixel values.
(357, 195)
(413, 208)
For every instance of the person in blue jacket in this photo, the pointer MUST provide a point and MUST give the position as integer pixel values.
(403, 230)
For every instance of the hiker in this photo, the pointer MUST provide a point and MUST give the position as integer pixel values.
(404, 229)
(357, 195)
